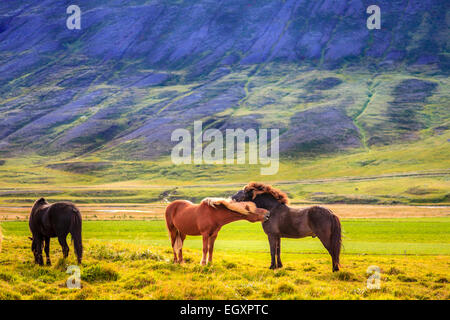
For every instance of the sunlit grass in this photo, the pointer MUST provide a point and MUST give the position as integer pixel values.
(132, 260)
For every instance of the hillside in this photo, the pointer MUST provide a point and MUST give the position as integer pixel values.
(87, 115)
(137, 70)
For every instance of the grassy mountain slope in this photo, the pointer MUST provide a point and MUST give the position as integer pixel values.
(98, 105)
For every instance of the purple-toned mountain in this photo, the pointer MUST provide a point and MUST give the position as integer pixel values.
(136, 70)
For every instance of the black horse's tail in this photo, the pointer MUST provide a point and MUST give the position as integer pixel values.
(75, 232)
(336, 241)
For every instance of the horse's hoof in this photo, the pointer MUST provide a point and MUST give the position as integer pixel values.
(272, 267)
(49, 263)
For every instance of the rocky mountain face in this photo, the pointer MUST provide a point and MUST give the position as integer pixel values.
(137, 70)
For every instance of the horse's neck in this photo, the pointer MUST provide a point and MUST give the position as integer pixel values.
(280, 209)
(39, 212)
(226, 216)
(276, 207)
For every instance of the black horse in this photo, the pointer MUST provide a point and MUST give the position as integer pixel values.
(286, 222)
(54, 220)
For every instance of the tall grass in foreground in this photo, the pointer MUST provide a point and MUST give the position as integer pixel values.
(133, 260)
(124, 271)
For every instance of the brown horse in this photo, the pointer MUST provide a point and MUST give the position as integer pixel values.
(205, 219)
(286, 222)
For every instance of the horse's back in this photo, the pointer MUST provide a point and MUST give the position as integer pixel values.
(298, 223)
(184, 216)
(318, 211)
(176, 206)
(62, 210)
(60, 216)
(320, 217)
(64, 205)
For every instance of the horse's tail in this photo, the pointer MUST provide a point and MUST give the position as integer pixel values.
(335, 241)
(178, 245)
(170, 212)
(75, 232)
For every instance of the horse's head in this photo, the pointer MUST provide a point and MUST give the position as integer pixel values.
(263, 195)
(242, 195)
(257, 214)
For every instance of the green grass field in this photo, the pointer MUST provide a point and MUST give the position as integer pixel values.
(132, 260)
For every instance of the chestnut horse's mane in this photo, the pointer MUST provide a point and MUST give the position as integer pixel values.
(239, 207)
(261, 188)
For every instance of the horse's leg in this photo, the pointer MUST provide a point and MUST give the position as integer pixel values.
(173, 237)
(40, 247)
(64, 246)
(211, 241)
(38, 253)
(205, 248)
(279, 264)
(273, 250)
(327, 227)
(325, 238)
(47, 250)
(180, 252)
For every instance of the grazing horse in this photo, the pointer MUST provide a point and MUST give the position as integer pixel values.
(286, 222)
(54, 220)
(185, 218)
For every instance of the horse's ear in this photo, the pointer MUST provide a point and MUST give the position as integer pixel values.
(255, 193)
(41, 200)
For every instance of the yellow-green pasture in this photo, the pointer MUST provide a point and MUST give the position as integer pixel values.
(132, 260)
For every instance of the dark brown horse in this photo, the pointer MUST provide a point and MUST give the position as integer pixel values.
(54, 220)
(286, 222)
(205, 219)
